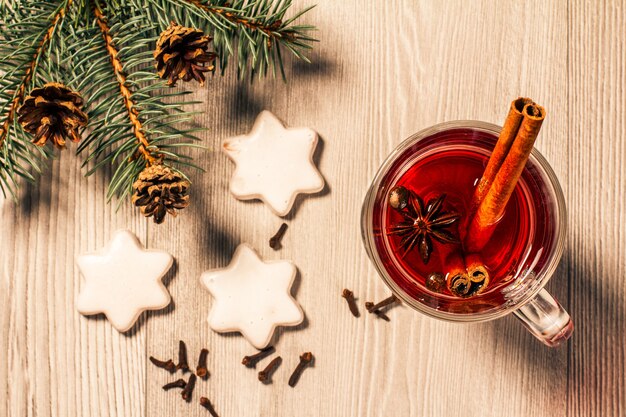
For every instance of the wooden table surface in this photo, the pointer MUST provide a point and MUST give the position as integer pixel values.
(382, 71)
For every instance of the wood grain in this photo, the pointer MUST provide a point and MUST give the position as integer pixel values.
(382, 71)
(54, 361)
(597, 202)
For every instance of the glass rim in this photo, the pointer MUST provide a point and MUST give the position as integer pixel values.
(368, 236)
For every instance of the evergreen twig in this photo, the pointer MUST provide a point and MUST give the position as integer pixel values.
(118, 68)
(133, 116)
(21, 58)
(259, 29)
(18, 95)
(269, 29)
(103, 50)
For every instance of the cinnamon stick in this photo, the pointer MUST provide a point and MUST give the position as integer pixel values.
(477, 274)
(501, 150)
(492, 206)
(457, 280)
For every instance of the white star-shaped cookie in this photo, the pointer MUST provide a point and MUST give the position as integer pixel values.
(252, 297)
(273, 163)
(123, 280)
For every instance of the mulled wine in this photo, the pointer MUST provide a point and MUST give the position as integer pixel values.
(447, 165)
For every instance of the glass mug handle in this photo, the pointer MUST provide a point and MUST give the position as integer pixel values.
(544, 317)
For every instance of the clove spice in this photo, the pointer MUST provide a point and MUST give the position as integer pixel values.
(349, 296)
(168, 365)
(369, 306)
(376, 308)
(252, 360)
(384, 303)
(179, 383)
(265, 376)
(204, 401)
(305, 359)
(275, 240)
(201, 369)
(182, 357)
(188, 390)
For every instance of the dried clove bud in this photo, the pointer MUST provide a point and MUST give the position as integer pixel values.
(436, 282)
(275, 240)
(179, 383)
(252, 360)
(349, 296)
(168, 365)
(188, 390)
(376, 308)
(305, 359)
(369, 307)
(399, 198)
(381, 315)
(201, 369)
(265, 376)
(384, 303)
(204, 401)
(182, 357)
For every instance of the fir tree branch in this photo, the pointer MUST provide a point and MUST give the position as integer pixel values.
(28, 33)
(18, 95)
(261, 30)
(144, 147)
(269, 29)
(254, 32)
(104, 50)
(134, 117)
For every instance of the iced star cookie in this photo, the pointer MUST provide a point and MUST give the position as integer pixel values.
(252, 297)
(123, 280)
(273, 163)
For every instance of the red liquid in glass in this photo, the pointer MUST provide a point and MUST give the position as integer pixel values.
(454, 170)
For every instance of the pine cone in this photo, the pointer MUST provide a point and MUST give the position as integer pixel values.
(160, 190)
(181, 53)
(53, 113)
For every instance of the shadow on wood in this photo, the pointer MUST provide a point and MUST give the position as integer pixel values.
(320, 67)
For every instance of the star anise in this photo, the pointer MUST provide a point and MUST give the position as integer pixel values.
(423, 223)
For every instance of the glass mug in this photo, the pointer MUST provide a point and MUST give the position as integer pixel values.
(521, 291)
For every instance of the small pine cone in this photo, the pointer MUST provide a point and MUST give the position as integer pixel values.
(160, 190)
(53, 113)
(182, 53)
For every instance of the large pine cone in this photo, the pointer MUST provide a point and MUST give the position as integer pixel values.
(182, 53)
(160, 190)
(53, 113)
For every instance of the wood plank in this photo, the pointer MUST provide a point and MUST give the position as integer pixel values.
(597, 200)
(380, 73)
(54, 361)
